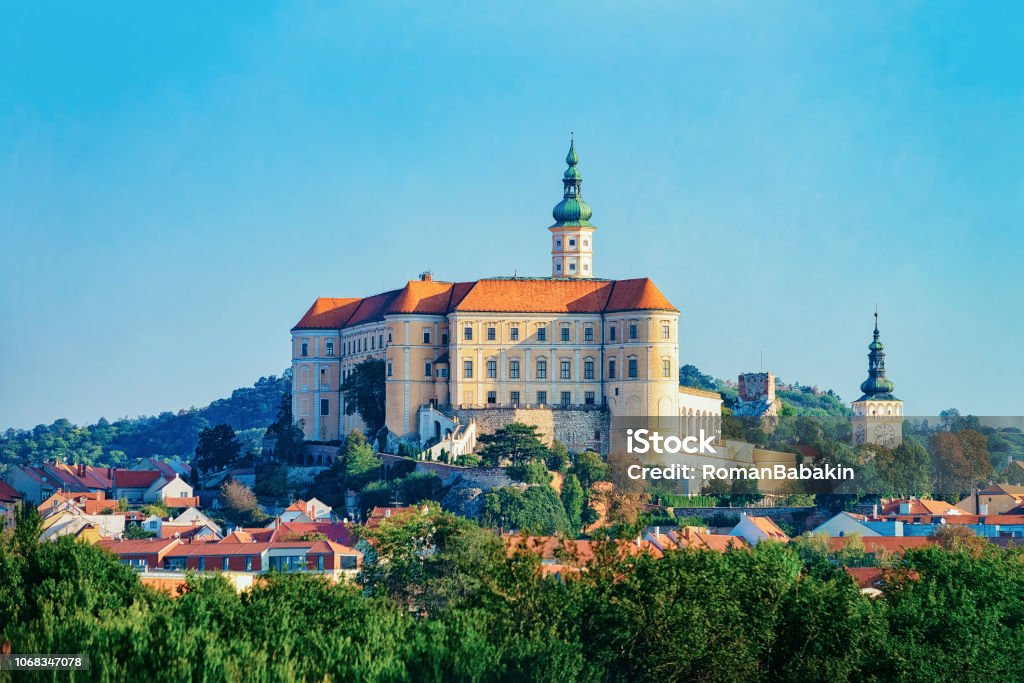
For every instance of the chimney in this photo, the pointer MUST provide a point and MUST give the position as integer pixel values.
(657, 531)
(874, 510)
(387, 512)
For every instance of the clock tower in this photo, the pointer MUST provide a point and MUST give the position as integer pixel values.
(877, 414)
(572, 235)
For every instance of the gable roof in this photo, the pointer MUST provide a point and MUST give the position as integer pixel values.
(768, 527)
(7, 493)
(892, 544)
(921, 506)
(135, 479)
(491, 295)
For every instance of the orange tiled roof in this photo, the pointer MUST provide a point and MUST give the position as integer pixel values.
(494, 295)
(922, 506)
(892, 544)
(769, 527)
(328, 314)
(181, 501)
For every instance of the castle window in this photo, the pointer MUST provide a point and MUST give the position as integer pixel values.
(304, 376)
(382, 340)
(444, 373)
(572, 243)
(566, 369)
(514, 398)
(558, 244)
(329, 348)
(324, 379)
(565, 333)
(666, 332)
(467, 369)
(586, 267)
(666, 368)
(304, 407)
(513, 333)
(389, 368)
(586, 243)
(588, 333)
(566, 398)
(612, 331)
(572, 266)
(467, 333)
(389, 336)
(588, 369)
(513, 369)
(632, 368)
(542, 333)
(492, 397)
(588, 398)
(558, 267)
(373, 342)
(427, 369)
(542, 369)
(426, 335)
(305, 348)
(632, 330)
(325, 406)
(492, 333)
(611, 368)
(492, 369)
(542, 397)
(444, 339)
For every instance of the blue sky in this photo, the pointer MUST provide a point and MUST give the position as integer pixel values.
(177, 184)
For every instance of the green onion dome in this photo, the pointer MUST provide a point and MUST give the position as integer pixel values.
(572, 210)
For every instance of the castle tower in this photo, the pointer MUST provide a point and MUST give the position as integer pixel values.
(877, 414)
(572, 238)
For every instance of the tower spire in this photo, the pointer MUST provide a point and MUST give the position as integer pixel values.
(572, 234)
(877, 385)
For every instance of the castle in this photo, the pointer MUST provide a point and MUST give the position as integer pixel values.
(569, 353)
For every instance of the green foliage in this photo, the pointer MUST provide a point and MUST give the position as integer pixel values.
(572, 501)
(364, 391)
(558, 459)
(588, 468)
(289, 446)
(217, 448)
(134, 531)
(118, 443)
(536, 510)
(440, 599)
(690, 376)
(534, 472)
(272, 481)
(515, 443)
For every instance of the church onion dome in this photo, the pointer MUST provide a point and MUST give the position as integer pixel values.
(572, 210)
(877, 386)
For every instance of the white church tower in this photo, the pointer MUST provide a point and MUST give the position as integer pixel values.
(877, 415)
(572, 235)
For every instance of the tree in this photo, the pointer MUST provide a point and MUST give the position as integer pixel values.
(959, 538)
(558, 457)
(536, 510)
(134, 531)
(515, 443)
(240, 505)
(690, 376)
(364, 391)
(905, 470)
(588, 468)
(217, 448)
(289, 445)
(572, 501)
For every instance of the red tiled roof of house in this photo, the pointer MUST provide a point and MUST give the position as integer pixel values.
(338, 533)
(7, 493)
(380, 514)
(922, 506)
(892, 544)
(144, 546)
(181, 501)
(135, 479)
(865, 577)
(693, 537)
(93, 507)
(768, 527)
(497, 295)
